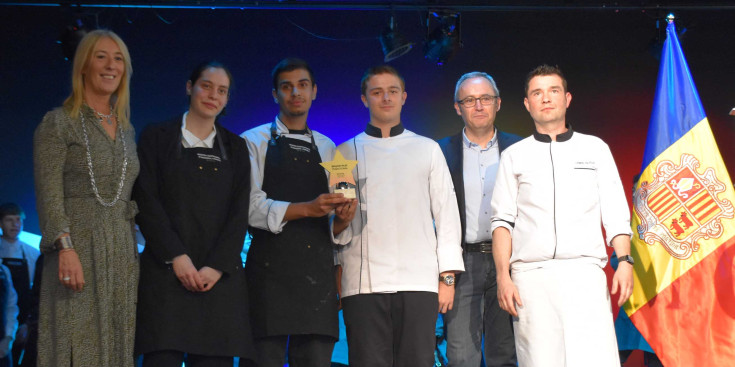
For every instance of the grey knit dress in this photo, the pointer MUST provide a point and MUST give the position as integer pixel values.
(95, 327)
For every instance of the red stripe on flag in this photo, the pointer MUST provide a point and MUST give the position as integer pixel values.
(662, 195)
(692, 322)
(695, 202)
(668, 208)
(712, 207)
(663, 203)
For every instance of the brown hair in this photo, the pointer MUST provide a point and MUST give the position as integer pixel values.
(377, 70)
(544, 70)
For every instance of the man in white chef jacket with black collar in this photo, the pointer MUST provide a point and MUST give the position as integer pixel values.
(402, 249)
(554, 191)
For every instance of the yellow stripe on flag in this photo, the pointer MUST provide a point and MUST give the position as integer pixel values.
(655, 267)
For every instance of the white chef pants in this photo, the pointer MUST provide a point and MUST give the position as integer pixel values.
(566, 319)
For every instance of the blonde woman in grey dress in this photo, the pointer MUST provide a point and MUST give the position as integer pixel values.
(85, 164)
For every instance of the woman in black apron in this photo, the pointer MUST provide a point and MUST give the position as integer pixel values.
(194, 194)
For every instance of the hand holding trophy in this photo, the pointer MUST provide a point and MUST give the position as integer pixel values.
(340, 175)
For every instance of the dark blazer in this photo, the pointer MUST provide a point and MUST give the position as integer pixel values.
(452, 148)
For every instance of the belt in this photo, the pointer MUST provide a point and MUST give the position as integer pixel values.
(484, 247)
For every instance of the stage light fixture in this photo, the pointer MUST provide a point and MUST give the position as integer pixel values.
(70, 38)
(393, 43)
(442, 43)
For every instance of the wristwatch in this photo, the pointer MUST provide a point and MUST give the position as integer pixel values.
(447, 279)
(626, 258)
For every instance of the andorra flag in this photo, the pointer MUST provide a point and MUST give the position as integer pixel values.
(683, 243)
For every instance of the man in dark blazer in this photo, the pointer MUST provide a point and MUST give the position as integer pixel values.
(473, 156)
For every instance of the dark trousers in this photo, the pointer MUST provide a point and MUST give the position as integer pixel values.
(391, 329)
(300, 350)
(17, 352)
(476, 313)
(31, 346)
(173, 358)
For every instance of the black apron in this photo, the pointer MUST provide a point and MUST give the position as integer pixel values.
(196, 192)
(290, 275)
(22, 284)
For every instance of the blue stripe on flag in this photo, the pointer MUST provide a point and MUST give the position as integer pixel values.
(676, 107)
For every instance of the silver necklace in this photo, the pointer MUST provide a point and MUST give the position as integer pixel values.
(107, 118)
(91, 171)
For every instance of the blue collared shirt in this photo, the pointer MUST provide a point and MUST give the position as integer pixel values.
(480, 168)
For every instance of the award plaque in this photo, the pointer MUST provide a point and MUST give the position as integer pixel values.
(345, 189)
(340, 175)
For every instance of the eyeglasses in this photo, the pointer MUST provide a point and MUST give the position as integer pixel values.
(485, 100)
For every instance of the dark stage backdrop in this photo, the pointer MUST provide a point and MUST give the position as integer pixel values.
(605, 55)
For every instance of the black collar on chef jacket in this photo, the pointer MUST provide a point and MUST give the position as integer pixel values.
(559, 138)
(375, 132)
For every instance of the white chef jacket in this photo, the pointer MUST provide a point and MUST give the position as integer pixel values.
(407, 228)
(553, 195)
(267, 214)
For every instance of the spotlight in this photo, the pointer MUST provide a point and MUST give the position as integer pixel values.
(443, 41)
(394, 44)
(70, 38)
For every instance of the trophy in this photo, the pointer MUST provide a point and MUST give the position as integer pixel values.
(340, 175)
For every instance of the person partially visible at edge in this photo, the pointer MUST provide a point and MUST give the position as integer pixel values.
(402, 249)
(84, 166)
(193, 192)
(8, 316)
(20, 258)
(291, 258)
(477, 328)
(553, 192)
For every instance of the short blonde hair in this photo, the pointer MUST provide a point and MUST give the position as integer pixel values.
(121, 97)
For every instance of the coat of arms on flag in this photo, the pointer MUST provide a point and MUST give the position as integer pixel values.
(681, 206)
